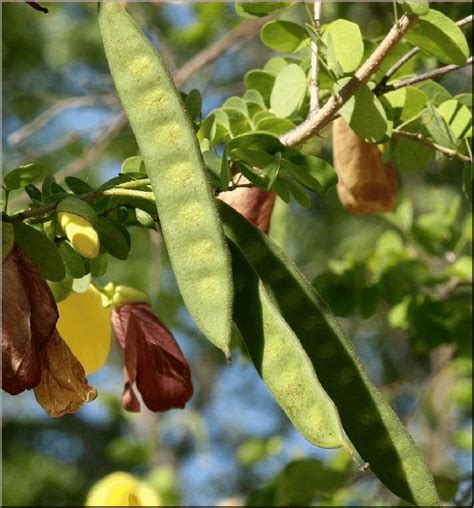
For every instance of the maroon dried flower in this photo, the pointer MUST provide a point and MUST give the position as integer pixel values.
(29, 318)
(153, 360)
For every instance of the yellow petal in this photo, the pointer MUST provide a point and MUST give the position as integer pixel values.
(81, 234)
(84, 323)
(121, 489)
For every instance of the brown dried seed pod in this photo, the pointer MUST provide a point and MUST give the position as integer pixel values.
(366, 184)
(253, 203)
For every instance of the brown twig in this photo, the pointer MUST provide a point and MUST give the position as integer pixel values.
(37, 7)
(443, 149)
(316, 121)
(71, 102)
(102, 141)
(404, 59)
(314, 77)
(435, 73)
(242, 32)
(129, 189)
(237, 36)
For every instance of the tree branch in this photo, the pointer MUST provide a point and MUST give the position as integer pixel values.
(124, 189)
(241, 33)
(443, 149)
(404, 59)
(314, 78)
(71, 102)
(316, 121)
(435, 73)
(232, 40)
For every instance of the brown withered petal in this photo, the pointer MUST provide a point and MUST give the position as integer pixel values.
(153, 360)
(63, 387)
(29, 318)
(366, 184)
(253, 203)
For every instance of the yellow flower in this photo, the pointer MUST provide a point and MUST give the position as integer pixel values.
(121, 489)
(84, 324)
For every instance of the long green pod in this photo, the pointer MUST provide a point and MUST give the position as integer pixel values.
(189, 220)
(372, 426)
(280, 359)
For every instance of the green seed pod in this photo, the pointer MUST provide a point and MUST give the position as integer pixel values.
(281, 360)
(78, 220)
(369, 422)
(8, 239)
(188, 216)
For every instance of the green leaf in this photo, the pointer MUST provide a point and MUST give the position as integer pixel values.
(112, 239)
(406, 103)
(331, 58)
(434, 91)
(62, 289)
(262, 141)
(262, 81)
(274, 125)
(437, 127)
(133, 164)
(41, 251)
(247, 9)
(193, 103)
(465, 99)
(145, 219)
(275, 65)
(225, 170)
(24, 175)
(458, 118)
(411, 155)
(213, 164)
(467, 181)
(284, 36)
(77, 185)
(73, 262)
(292, 78)
(98, 265)
(236, 103)
(303, 479)
(416, 7)
(46, 186)
(347, 43)
(314, 173)
(282, 189)
(299, 193)
(238, 121)
(365, 114)
(439, 36)
(33, 192)
(254, 97)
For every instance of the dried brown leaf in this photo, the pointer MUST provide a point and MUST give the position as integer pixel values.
(253, 203)
(63, 387)
(365, 183)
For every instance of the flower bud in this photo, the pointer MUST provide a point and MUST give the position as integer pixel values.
(77, 220)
